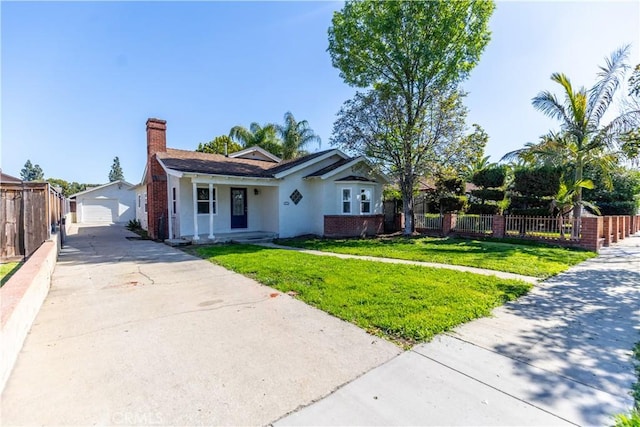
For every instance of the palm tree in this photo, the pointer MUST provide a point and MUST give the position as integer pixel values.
(583, 138)
(563, 201)
(263, 136)
(295, 136)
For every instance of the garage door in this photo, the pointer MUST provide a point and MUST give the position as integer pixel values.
(99, 210)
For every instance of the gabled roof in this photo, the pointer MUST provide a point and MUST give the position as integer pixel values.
(100, 187)
(213, 164)
(345, 164)
(355, 178)
(330, 168)
(256, 153)
(290, 164)
(216, 164)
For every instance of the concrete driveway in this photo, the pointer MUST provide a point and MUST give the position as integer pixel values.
(138, 333)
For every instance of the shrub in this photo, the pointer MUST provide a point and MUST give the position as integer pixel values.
(491, 177)
(537, 182)
(617, 208)
(531, 212)
(452, 204)
(134, 225)
(481, 209)
(489, 194)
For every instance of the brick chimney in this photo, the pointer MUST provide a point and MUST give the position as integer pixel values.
(157, 206)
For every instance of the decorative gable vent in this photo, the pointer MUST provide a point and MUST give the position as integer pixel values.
(295, 197)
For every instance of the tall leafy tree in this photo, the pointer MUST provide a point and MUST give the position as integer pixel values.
(116, 173)
(219, 145)
(367, 124)
(295, 135)
(583, 138)
(31, 172)
(410, 52)
(263, 136)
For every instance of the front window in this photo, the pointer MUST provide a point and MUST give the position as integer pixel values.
(365, 201)
(346, 200)
(203, 200)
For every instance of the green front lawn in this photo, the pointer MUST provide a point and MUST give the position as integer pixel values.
(7, 270)
(528, 259)
(403, 303)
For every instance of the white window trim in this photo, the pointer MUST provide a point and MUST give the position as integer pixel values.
(370, 190)
(209, 201)
(342, 201)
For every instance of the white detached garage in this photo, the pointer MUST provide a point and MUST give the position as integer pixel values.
(110, 203)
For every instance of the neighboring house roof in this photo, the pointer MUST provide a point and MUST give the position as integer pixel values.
(9, 179)
(89, 190)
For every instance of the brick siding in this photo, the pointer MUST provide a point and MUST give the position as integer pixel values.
(353, 226)
(156, 180)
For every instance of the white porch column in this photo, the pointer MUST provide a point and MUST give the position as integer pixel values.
(195, 211)
(211, 236)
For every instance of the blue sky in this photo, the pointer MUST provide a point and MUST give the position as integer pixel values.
(79, 79)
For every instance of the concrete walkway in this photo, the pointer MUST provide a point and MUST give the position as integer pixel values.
(138, 333)
(483, 271)
(558, 356)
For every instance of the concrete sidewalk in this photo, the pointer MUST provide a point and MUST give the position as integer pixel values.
(558, 356)
(138, 333)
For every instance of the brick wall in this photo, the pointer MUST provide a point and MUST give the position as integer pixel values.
(353, 226)
(156, 180)
(591, 233)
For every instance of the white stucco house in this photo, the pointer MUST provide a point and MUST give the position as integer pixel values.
(199, 196)
(109, 203)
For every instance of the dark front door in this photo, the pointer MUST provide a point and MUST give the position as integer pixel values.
(238, 208)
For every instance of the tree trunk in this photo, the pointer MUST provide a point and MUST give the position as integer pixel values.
(577, 201)
(406, 188)
(407, 205)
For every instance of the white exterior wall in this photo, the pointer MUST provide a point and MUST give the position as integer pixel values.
(308, 216)
(332, 194)
(141, 206)
(262, 209)
(272, 209)
(124, 197)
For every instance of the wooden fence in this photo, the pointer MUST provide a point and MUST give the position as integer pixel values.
(28, 213)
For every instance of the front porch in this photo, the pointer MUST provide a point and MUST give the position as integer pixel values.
(233, 237)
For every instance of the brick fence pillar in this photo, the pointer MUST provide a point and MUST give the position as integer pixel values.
(606, 230)
(497, 226)
(623, 226)
(448, 223)
(591, 229)
(615, 227)
(627, 228)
